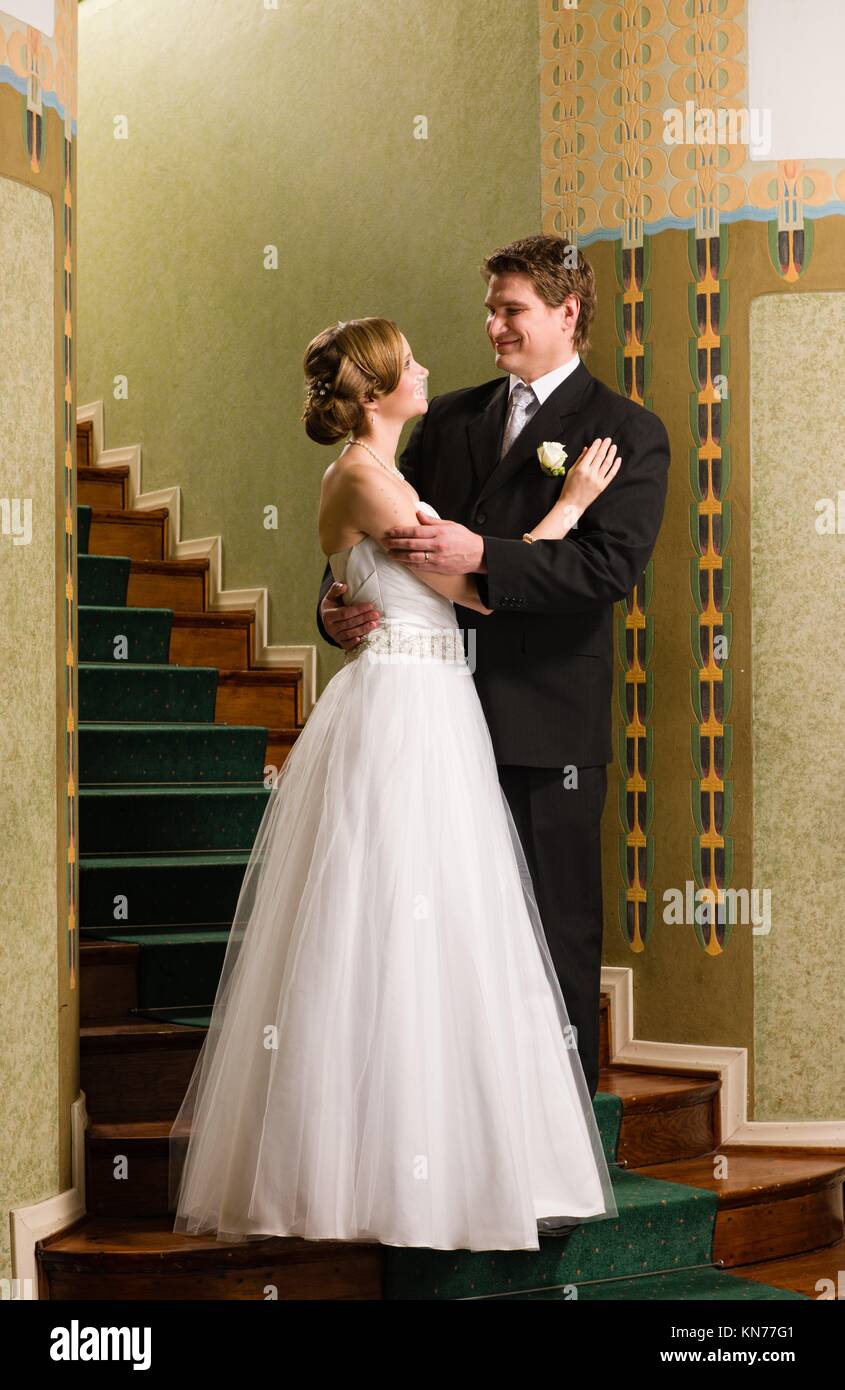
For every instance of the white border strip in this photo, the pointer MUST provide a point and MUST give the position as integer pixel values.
(42, 1219)
(204, 547)
(730, 1064)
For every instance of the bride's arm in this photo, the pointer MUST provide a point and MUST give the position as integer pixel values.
(588, 477)
(373, 505)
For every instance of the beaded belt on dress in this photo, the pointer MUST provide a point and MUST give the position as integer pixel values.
(402, 641)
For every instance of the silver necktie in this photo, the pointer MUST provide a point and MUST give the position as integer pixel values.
(523, 404)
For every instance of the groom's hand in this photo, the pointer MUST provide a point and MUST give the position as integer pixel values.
(347, 625)
(452, 548)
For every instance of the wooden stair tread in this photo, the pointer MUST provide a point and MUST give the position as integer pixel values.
(259, 675)
(131, 1242)
(128, 514)
(216, 617)
(130, 1129)
(188, 565)
(147, 1032)
(754, 1176)
(643, 1090)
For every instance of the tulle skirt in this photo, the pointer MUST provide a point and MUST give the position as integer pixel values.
(389, 1056)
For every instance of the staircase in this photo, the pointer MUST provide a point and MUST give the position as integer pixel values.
(176, 727)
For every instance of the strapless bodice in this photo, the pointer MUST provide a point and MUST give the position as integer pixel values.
(372, 575)
(416, 621)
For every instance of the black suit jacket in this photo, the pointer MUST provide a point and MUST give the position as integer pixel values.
(543, 660)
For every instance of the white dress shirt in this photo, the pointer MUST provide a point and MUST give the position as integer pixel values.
(545, 385)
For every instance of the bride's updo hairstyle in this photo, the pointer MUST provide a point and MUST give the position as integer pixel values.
(352, 361)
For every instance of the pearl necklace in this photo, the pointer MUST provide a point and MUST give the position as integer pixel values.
(391, 467)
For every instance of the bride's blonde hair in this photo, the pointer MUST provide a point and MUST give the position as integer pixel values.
(352, 361)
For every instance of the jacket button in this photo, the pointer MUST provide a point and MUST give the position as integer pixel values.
(481, 517)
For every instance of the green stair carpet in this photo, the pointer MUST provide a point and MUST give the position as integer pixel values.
(131, 634)
(171, 752)
(176, 855)
(103, 579)
(143, 820)
(160, 889)
(118, 692)
(661, 1230)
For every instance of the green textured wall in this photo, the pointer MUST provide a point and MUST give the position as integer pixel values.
(295, 128)
(798, 572)
(29, 1160)
(39, 995)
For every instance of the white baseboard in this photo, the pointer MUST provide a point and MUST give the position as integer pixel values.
(204, 547)
(730, 1064)
(33, 1223)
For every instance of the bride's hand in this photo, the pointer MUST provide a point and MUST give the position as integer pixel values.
(593, 470)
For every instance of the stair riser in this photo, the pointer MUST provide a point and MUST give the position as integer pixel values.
(139, 539)
(354, 1276)
(270, 705)
(769, 1230)
(144, 824)
(122, 1086)
(220, 647)
(103, 580)
(143, 1189)
(213, 753)
(108, 988)
(667, 1135)
(182, 894)
(122, 635)
(277, 750)
(122, 694)
(107, 493)
(167, 591)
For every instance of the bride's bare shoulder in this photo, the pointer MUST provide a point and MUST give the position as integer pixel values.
(345, 484)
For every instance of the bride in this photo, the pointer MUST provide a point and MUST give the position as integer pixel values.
(389, 1056)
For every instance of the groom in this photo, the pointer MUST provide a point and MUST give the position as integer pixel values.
(544, 657)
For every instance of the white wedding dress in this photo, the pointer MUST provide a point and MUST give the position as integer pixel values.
(389, 1056)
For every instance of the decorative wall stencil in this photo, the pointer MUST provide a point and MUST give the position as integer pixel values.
(707, 79)
(615, 73)
(630, 127)
(710, 582)
(635, 631)
(568, 146)
(789, 189)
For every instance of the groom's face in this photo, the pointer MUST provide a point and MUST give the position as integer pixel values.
(529, 336)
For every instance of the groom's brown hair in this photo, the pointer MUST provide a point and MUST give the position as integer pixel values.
(556, 269)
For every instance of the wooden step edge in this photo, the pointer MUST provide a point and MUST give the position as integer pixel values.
(104, 952)
(258, 675)
(665, 1069)
(141, 1245)
(146, 1036)
(129, 515)
(686, 1091)
(213, 617)
(784, 1150)
(95, 473)
(760, 1190)
(198, 567)
(129, 1130)
(800, 1273)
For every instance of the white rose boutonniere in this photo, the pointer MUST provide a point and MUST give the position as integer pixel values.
(552, 456)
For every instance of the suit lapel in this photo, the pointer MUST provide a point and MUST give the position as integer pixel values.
(485, 430)
(549, 422)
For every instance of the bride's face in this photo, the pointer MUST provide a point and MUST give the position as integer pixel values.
(409, 398)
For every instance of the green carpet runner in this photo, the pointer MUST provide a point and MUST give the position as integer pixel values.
(169, 806)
